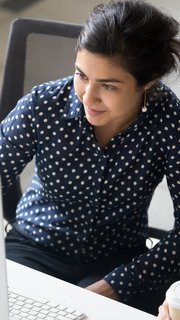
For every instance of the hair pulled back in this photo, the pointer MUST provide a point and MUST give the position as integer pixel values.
(136, 36)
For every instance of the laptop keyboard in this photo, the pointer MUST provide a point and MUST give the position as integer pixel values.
(22, 307)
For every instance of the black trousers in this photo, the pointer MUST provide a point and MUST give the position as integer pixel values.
(21, 250)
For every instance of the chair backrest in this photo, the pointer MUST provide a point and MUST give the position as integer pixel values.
(37, 51)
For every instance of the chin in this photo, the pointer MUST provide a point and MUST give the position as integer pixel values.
(94, 122)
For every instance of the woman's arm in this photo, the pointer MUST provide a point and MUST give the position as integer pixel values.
(103, 288)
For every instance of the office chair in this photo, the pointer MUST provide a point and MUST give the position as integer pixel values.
(37, 51)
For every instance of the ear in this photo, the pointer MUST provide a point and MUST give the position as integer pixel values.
(149, 84)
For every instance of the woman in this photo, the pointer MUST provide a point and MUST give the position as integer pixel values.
(102, 141)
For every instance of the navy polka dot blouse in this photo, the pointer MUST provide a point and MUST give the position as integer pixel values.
(87, 203)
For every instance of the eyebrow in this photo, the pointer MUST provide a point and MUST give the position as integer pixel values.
(101, 80)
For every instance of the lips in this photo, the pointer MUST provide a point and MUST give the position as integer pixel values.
(94, 112)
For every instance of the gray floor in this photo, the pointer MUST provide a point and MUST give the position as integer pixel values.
(77, 11)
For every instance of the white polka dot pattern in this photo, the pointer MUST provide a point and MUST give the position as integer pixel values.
(89, 203)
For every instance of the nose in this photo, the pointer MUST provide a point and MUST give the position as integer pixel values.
(91, 95)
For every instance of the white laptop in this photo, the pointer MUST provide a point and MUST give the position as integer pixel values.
(16, 304)
(3, 276)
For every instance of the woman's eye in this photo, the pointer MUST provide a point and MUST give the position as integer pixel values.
(81, 75)
(108, 87)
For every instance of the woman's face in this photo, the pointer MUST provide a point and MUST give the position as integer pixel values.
(109, 94)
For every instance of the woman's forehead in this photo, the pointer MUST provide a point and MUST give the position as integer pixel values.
(101, 67)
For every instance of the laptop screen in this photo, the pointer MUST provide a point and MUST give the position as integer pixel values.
(3, 275)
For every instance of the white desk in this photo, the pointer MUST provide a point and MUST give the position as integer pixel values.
(93, 305)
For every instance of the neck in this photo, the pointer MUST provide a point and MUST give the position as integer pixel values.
(105, 133)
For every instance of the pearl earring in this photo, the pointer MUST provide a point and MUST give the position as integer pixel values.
(144, 107)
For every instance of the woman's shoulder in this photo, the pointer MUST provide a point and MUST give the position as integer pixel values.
(169, 100)
(169, 111)
(55, 97)
(165, 107)
(53, 88)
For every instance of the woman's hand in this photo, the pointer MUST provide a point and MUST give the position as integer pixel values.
(164, 312)
(103, 288)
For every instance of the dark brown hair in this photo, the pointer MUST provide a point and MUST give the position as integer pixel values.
(135, 35)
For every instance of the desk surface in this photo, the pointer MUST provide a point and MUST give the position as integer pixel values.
(95, 306)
